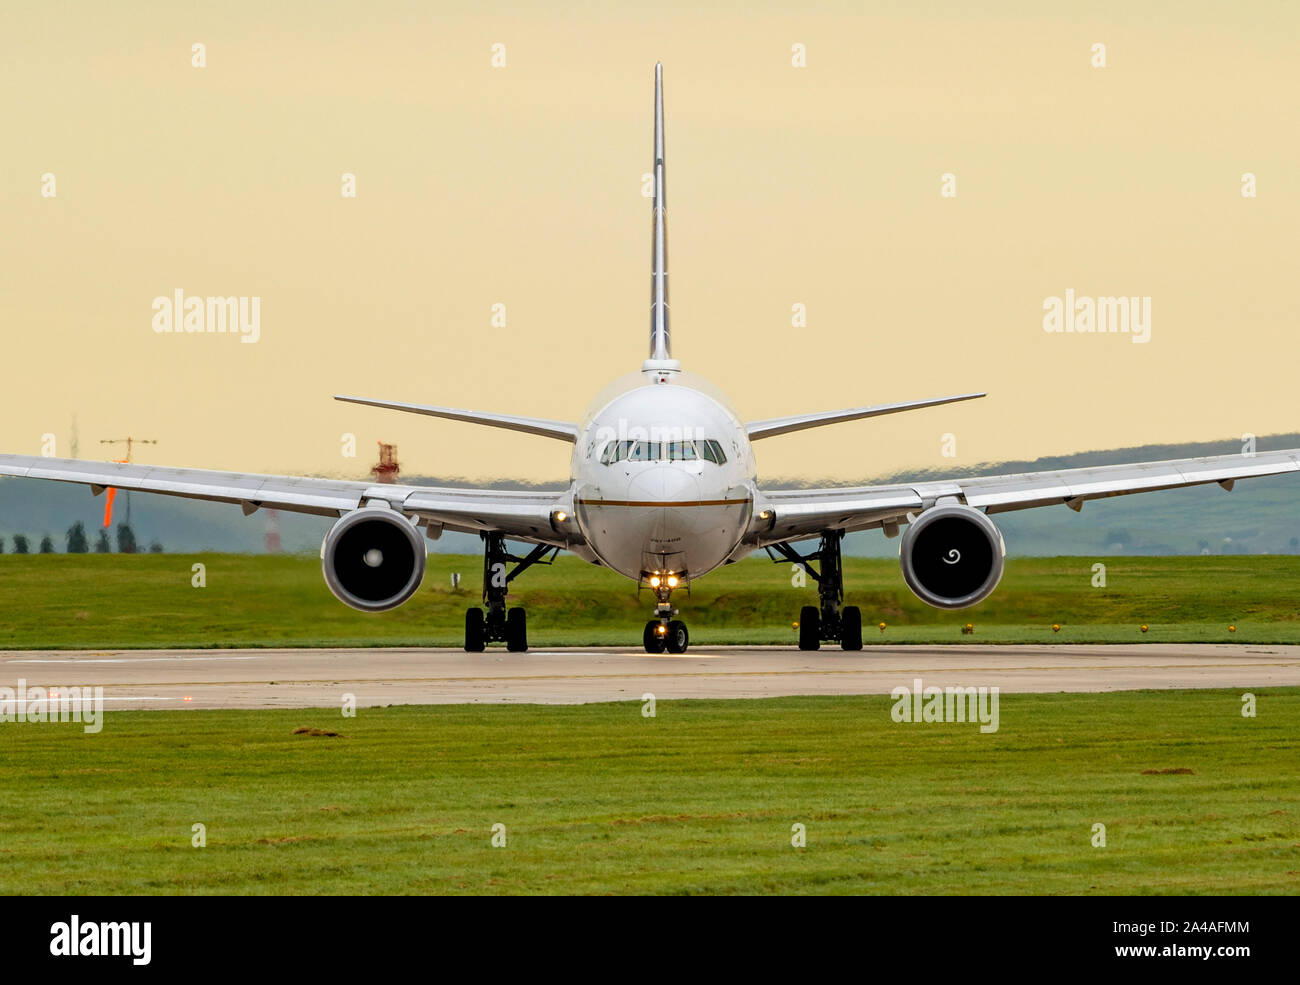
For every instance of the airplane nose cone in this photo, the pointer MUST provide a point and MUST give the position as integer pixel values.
(678, 491)
(665, 484)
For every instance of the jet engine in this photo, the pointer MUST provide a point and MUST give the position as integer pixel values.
(373, 559)
(952, 556)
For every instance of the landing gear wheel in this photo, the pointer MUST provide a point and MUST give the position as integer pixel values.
(851, 628)
(517, 630)
(654, 643)
(810, 628)
(474, 630)
(678, 637)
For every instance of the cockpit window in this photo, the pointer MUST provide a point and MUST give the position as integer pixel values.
(615, 451)
(663, 451)
(712, 451)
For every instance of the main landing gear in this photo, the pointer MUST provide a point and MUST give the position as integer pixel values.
(826, 622)
(497, 624)
(663, 633)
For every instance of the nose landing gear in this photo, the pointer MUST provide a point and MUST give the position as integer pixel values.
(826, 622)
(666, 636)
(663, 633)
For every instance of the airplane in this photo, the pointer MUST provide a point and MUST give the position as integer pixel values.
(663, 490)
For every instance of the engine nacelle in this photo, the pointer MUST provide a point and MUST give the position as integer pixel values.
(952, 556)
(373, 559)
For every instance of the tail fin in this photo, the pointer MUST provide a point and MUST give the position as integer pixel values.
(529, 425)
(801, 422)
(660, 341)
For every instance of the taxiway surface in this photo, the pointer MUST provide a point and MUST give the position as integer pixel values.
(304, 678)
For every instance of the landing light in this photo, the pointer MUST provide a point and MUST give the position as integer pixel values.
(661, 629)
(654, 581)
(560, 516)
(672, 581)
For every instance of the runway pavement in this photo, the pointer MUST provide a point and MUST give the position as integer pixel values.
(303, 678)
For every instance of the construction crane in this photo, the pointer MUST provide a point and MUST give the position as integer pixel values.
(130, 443)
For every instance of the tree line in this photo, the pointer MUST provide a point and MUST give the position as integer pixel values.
(78, 542)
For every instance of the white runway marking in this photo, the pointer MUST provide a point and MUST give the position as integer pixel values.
(127, 660)
(21, 706)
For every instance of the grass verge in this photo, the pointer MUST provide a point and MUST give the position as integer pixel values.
(699, 799)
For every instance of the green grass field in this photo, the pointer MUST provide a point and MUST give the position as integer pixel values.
(255, 600)
(700, 799)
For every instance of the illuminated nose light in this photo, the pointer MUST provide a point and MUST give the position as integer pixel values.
(661, 629)
(654, 581)
(561, 516)
(672, 581)
(373, 557)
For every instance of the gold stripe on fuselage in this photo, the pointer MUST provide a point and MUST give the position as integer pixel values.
(661, 503)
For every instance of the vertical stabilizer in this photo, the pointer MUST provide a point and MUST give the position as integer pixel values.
(660, 341)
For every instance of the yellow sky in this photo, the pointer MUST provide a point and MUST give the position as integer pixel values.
(522, 186)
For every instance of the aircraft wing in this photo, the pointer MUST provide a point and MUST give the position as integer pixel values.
(795, 513)
(521, 514)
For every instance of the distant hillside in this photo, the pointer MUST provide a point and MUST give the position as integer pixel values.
(36, 507)
(1260, 516)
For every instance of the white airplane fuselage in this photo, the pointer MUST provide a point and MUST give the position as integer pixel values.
(663, 506)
